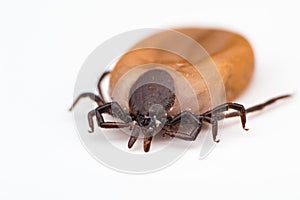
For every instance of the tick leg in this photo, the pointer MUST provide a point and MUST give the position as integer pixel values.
(185, 118)
(224, 107)
(214, 124)
(92, 113)
(98, 99)
(99, 84)
(90, 95)
(112, 108)
(258, 107)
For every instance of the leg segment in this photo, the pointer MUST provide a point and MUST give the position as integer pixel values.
(214, 124)
(98, 99)
(112, 108)
(258, 107)
(224, 107)
(103, 124)
(90, 95)
(186, 118)
(99, 83)
(91, 114)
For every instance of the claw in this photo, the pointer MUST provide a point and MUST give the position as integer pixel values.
(90, 130)
(90, 120)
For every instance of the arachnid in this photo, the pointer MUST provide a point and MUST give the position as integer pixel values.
(151, 97)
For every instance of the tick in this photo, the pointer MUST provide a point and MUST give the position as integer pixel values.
(152, 96)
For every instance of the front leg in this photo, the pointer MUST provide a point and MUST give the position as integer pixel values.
(225, 107)
(112, 108)
(184, 118)
(90, 95)
(214, 124)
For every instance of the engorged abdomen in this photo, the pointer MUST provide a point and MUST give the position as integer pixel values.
(231, 53)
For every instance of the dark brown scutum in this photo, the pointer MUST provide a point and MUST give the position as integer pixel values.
(154, 87)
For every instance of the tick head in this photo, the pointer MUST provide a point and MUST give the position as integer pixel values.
(158, 115)
(154, 119)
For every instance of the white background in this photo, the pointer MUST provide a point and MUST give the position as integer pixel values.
(42, 47)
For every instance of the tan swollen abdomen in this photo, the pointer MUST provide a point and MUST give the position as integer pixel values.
(231, 53)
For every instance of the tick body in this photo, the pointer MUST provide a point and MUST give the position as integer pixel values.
(152, 98)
